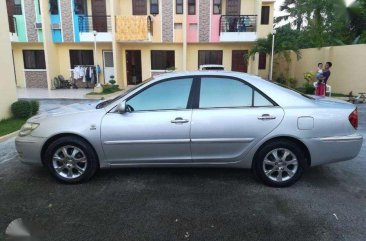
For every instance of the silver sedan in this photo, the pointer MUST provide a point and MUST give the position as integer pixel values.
(203, 118)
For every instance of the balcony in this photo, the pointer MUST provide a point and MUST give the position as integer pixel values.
(238, 28)
(134, 28)
(101, 24)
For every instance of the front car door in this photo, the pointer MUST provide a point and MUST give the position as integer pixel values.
(155, 130)
(230, 118)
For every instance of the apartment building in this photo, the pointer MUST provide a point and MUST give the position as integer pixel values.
(134, 39)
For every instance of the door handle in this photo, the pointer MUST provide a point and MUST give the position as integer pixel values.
(266, 117)
(179, 120)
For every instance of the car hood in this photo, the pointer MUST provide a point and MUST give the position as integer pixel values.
(65, 110)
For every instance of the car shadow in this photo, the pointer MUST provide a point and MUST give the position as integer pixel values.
(176, 174)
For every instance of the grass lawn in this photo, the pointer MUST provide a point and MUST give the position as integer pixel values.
(10, 125)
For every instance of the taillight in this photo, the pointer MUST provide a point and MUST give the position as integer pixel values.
(353, 118)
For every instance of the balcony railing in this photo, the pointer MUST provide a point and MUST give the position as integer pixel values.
(238, 23)
(12, 24)
(95, 23)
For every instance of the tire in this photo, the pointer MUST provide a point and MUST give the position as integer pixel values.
(283, 170)
(71, 160)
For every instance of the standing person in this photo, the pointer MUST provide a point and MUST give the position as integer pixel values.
(319, 72)
(321, 89)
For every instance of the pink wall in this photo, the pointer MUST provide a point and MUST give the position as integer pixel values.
(215, 28)
(192, 33)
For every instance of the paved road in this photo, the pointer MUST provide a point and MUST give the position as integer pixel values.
(328, 203)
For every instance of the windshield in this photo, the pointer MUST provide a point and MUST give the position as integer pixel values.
(294, 90)
(109, 101)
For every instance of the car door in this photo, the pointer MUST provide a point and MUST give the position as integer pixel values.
(231, 117)
(155, 130)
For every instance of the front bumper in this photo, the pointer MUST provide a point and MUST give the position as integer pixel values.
(333, 149)
(29, 149)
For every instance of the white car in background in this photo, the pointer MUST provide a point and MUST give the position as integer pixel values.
(212, 67)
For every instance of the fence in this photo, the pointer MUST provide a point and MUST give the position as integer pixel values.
(347, 72)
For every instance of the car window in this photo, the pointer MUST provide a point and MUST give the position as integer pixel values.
(260, 100)
(166, 95)
(224, 92)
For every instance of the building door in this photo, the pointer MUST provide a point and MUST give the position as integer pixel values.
(108, 65)
(133, 67)
(99, 15)
(238, 61)
(232, 7)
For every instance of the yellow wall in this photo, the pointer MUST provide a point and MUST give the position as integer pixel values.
(7, 81)
(146, 58)
(346, 73)
(192, 53)
(64, 56)
(18, 60)
(50, 48)
(264, 30)
(247, 7)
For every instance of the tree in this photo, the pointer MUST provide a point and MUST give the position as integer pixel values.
(286, 39)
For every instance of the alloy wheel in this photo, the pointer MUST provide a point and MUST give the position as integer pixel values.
(69, 162)
(280, 165)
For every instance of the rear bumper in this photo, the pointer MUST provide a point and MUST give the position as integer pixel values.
(29, 149)
(333, 149)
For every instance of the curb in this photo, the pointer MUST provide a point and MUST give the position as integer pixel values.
(8, 136)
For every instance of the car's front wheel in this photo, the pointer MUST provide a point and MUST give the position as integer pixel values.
(71, 159)
(280, 163)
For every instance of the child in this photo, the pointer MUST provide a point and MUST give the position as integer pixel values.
(319, 73)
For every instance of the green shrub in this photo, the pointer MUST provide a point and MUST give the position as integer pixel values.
(35, 106)
(112, 81)
(307, 89)
(107, 89)
(292, 83)
(21, 109)
(281, 79)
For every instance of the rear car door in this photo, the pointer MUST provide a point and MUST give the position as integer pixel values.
(155, 130)
(231, 117)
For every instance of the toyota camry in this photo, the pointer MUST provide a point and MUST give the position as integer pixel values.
(195, 119)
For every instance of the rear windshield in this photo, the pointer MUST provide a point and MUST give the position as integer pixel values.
(296, 91)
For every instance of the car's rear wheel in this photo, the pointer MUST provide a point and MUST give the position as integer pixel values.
(71, 159)
(280, 163)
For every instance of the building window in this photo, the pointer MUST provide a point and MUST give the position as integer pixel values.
(154, 7)
(179, 6)
(209, 57)
(265, 15)
(81, 7)
(81, 57)
(34, 59)
(139, 7)
(162, 60)
(216, 6)
(191, 7)
(17, 7)
(262, 61)
(54, 7)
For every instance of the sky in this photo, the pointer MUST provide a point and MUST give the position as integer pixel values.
(279, 2)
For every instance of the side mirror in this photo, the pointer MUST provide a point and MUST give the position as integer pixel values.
(121, 107)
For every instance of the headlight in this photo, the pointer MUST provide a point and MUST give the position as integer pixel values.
(27, 128)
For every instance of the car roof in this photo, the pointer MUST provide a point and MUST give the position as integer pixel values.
(282, 96)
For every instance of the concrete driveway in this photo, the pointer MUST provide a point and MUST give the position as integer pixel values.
(328, 203)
